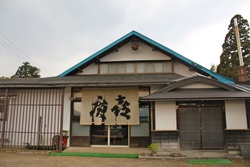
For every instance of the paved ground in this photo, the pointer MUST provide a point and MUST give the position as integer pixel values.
(41, 159)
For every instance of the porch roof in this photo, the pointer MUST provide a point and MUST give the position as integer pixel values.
(221, 91)
(93, 80)
(196, 94)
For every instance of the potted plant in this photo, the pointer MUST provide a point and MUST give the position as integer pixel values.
(154, 147)
(65, 132)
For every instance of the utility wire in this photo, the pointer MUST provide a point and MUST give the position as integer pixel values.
(17, 52)
(9, 49)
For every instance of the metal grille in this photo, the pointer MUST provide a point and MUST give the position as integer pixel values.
(31, 118)
(200, 128)
(211, 128)
(168, 140)
(189, 127)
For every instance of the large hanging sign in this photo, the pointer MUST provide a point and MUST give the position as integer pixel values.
(110, 106)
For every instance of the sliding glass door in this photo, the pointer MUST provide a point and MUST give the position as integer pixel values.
(109, 135)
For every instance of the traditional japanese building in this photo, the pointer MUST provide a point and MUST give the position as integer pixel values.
(131, 93)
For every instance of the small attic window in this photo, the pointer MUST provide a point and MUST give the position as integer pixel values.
(130, 67)
(140, 68)
(121, 68)
(104, 69)
(158, 67)
(135, 67)
(112, 68)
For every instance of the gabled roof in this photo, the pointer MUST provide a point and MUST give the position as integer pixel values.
(221, 91)
(155, 45)
(197, 79)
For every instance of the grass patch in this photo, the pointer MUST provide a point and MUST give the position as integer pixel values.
(210, 161)
(103, 155)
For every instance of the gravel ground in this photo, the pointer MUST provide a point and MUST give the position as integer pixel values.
(27, 159)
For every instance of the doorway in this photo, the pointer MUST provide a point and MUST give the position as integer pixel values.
(109, 135)
(201, 127)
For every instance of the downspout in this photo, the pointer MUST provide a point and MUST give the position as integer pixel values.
(242, 71)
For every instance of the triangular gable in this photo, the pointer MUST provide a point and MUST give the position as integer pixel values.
(155, 45)
(195, 80)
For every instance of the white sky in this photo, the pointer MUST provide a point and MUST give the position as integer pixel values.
(54, 35)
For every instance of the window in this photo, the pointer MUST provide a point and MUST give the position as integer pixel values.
(140, 67)
(167, 67)
(116, 135)
(144, 112)
(121, 68)
(135, 67)
(76, 104)
(158, 67)
(150, 68)
(76, 111)
(130, 68)
(112, 68)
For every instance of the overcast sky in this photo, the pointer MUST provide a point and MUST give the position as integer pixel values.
(54, 35)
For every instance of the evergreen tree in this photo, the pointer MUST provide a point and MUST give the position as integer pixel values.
(213, 68)
(3, 77)
(229, 60)
(27, 71)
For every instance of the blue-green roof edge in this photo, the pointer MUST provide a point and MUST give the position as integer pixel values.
(192, 63)
(97, 53)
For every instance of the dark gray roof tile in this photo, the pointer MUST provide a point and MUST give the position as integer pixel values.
(93, 80)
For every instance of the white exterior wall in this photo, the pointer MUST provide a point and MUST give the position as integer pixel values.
(91, 69)
(144, 52)
(182, 70)
(198, 86)
(165, 116)
(66, 111)
(236, 115)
